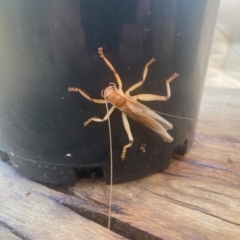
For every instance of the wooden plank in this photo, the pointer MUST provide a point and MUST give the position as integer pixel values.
(30, 211)
(8, 234)
(222, 108)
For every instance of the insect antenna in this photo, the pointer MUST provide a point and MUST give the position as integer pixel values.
(186, 118)
(192, 119)
(111, 170)
(179, 117)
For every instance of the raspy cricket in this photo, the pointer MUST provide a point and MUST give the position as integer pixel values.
(129, 105)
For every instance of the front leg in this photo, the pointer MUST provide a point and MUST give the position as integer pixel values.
(100, 51)
(71, 89)
(95, 119)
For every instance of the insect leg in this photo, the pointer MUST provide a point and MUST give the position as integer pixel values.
(71, 89)
(152, 97)
(130, 137)
(100, 51)
(96, 119)
(145, 71)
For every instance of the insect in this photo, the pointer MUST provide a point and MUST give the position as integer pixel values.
(129, 105)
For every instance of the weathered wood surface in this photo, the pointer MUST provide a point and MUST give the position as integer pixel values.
(6, 233)
(31, 211)
(197, 197)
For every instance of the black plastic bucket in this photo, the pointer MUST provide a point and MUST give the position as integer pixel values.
(48, 46)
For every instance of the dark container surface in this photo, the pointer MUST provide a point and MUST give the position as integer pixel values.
(48, 46)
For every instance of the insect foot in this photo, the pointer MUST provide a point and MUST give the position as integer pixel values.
(123, 155)
(87, 122)
(152, 60)
(175, 75)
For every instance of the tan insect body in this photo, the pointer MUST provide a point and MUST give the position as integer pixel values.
(129, 105)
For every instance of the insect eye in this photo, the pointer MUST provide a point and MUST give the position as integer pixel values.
(102, 92)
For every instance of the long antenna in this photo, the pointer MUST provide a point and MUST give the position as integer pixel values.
(111, 171)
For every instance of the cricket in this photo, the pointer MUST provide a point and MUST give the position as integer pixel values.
(129, 105)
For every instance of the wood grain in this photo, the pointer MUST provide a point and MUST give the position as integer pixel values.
(197, 197)
(32, 211)
(6, 233)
